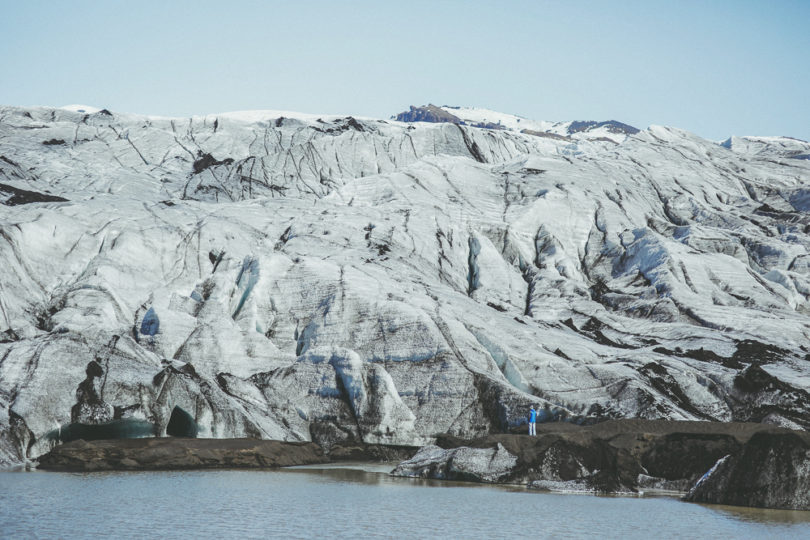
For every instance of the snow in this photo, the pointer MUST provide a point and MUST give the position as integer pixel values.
(768, 146)
(485, 117)
(474, 115)
(81, 108)
(255, 116)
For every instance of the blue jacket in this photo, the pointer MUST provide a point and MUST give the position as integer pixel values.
(532, 416)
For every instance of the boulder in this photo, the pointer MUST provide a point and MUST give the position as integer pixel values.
(487, 465)
(771, 471)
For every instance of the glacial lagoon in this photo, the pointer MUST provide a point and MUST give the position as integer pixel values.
(347, 502)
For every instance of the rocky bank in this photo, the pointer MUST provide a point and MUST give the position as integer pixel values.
(732, 463)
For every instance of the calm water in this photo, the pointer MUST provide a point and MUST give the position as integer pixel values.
(340, 502)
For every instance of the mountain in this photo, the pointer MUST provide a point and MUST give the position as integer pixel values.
(301, 277)
(609, 130)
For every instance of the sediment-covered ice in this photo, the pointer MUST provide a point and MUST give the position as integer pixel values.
(331, 278)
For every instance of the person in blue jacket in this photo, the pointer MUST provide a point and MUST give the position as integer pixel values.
(532, 421)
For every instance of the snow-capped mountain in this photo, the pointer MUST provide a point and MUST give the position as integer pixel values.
(609, 130)
(325, 278)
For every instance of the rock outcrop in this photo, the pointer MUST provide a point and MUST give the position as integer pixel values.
(489, 465)
(610, 125)
(771, 471)
(428, 113)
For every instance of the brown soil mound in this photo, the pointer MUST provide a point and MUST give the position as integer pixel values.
(178, 453)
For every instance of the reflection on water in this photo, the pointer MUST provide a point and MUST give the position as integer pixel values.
(343, 502)
(762, 515)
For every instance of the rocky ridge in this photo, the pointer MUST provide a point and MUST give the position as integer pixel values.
(357, 281)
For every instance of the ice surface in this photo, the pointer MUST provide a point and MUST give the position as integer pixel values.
(325, 278)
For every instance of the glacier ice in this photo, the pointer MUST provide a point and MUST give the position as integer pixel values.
(331, 278)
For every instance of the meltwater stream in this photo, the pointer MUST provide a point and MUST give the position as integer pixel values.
(344, 502)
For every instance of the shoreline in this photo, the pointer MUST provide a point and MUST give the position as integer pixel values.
(741, 464)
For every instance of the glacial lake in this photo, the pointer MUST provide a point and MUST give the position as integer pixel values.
(343, 502)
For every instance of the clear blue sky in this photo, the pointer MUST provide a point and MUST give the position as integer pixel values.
(713, 67)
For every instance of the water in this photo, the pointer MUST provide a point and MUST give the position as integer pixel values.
(342, 503)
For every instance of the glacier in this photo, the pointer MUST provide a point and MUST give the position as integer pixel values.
(328, 278)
